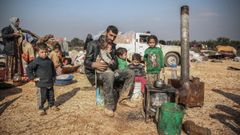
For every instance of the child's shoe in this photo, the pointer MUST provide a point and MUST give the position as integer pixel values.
(54, 108)
(109, 112)
(128, 103)
(42, 112)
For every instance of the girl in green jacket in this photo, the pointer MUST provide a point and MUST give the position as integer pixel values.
(154, 61)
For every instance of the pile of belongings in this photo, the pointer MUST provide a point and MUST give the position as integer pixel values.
(125, 38)
(226, 50)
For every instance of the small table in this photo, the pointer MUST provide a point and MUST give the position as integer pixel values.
(149, 89)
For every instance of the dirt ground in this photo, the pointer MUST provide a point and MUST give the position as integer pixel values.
(80, 116)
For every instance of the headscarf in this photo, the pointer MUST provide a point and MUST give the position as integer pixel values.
(88, 39)
(13, 23)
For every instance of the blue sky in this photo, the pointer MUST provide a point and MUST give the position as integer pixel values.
(209, 19)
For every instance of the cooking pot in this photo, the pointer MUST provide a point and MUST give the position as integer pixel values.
(159, 83)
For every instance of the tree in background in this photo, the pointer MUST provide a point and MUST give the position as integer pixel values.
(173, 42)
(211, 44)
(223, 41)
(162, 42)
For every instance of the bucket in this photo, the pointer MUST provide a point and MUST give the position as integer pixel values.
(64, 79)
(170, 119)
(17, 79)
(3, 73)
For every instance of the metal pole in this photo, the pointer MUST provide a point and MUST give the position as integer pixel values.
(184, 43)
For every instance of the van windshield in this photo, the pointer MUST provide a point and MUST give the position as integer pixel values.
(143, 39)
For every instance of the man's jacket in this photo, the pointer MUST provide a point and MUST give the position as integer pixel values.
(93, 50)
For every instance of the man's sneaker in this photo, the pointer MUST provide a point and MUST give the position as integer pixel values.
(109, 112)
(42, 112)
(54, 108)
(128, 103)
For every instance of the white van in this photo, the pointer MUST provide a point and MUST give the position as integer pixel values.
(137, 43)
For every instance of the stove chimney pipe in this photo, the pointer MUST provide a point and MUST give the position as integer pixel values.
(184, 43)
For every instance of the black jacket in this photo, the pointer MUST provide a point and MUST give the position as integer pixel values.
(9, 41)
(138, 69)
(42, 69)
(93, 50)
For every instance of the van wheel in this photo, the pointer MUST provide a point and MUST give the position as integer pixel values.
(171, 58)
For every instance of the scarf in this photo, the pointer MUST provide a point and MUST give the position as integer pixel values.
(13, 22)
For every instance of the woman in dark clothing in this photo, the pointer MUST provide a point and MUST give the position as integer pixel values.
(12, 36)
(88, 39)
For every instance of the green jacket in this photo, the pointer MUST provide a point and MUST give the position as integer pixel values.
(154, 60)
(122, 64)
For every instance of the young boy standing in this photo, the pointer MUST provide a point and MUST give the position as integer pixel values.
(153, 57)
(42, 71)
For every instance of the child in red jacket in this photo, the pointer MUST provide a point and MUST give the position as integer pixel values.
(138, 69)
